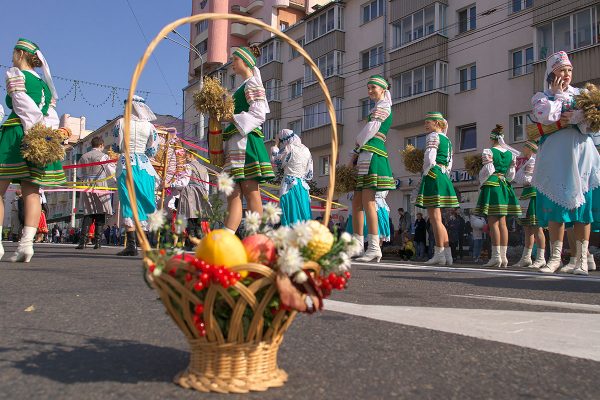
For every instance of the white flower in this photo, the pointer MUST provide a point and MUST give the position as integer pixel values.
(180, 225)
(302, 233)
(282, 236)
(272, 213)
(345, 262)
(156, 220)
(355, 248)
(346, 238)
(157, 271)
(290, 260)
(301, 277)
(252, 223)
(225, 183)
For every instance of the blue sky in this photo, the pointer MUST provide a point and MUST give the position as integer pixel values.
(100, 41)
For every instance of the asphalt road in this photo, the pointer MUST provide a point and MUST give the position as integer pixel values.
(83, 325)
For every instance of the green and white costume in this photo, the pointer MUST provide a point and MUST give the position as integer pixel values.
(497, 197)
(529, 194)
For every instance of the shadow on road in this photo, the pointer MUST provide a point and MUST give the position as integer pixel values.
(100, 359)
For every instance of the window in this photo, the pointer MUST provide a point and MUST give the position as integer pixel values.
(232, 81)
(568, 33)
(270, 129)
(372, 58)
(272, 89)
(365, 107)
(419, 25)
(296, 89)
(416, 141)
(293, 52)
(316, 115)
(270, 52)
(518, 125)
(296, 126)
(202, 48)
(467, 19)
(372, 10)
(518, 5)
(467, 137)
(324, 165)
(468, 78)
(283, 25)
(324, 23)
(201, 26)
(421, 80)
(329, 64)
(522, 61)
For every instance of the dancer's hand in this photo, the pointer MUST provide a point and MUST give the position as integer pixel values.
(353, 159)
(557, 86)
(565, 118)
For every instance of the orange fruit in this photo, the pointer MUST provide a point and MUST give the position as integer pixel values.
(222, 248)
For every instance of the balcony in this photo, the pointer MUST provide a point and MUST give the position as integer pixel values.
(314, 94)
(334, 40)
(585, 68)
(275, 107)
(321, 137)
(418, 53)
(545, 10)
(243, 31)
(281, 3)
(298, 4)
(401, 8)
(411, 112)
(253, 6)
(272, 70)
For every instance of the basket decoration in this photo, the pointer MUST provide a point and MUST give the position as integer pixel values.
(227, 298)
(215, 101)
(413, 159)
(588, 101)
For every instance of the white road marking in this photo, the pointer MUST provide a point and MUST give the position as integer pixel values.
(485, 271)
(570, 334)
(555, 304)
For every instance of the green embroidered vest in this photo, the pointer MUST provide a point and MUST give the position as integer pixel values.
(36, 89)
(377, 143)
(444, 150)
(240, 104)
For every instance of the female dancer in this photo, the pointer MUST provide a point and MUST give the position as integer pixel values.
(497, 199)
(297, 164)
(436, 190)
(246, 157)
(374, 171)
(533, 232)
(567, 173)
(32, 100)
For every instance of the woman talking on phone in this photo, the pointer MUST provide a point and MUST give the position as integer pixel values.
(567, 170)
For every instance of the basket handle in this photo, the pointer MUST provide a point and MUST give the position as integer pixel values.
(238, 18)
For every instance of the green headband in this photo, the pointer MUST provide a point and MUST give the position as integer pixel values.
(434, 116)
(379, 81)
(246, 55)
(532, 146)
(496, 134)
(26, 45)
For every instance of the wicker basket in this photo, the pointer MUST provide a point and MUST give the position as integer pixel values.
(245, 358)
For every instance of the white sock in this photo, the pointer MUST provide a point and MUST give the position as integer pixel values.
(527, 252)
(572, 260)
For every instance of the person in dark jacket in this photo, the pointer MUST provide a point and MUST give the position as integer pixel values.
(420, 235)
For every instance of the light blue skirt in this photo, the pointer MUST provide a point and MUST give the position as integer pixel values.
(295, 204)
(144, 193)
(587, 213)
(383, 222)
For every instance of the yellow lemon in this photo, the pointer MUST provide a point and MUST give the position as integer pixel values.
(221, 247)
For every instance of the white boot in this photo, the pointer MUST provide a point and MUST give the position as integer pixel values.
(569, 268)
(439, 257)
(581, 262)
(448, 256)
(373, 250)
(495, 259)
(25, 250)
(591, 262)
(360, 239)
(503, 250)
(525, 260)
(540, 259)
(554, 262)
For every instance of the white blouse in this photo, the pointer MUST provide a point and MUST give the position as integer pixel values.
(525, 173)
(379, 114)
(547, 112)
(432, 144)
(489, 169)
(246, 121)
(295, 160)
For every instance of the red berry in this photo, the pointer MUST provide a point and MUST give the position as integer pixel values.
(162, 252)
(173, 271)
(238, 276)
(198, 286)
(196, 319)
(342, 281)
(199, 309)
(202, 332)
(332, 277)
(204, 278)
(188, 277)
(152, 268)
(347, 274)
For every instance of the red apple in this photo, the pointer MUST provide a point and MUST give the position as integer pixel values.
(260, 249)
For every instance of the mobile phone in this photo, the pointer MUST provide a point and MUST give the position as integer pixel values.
(550, 78)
